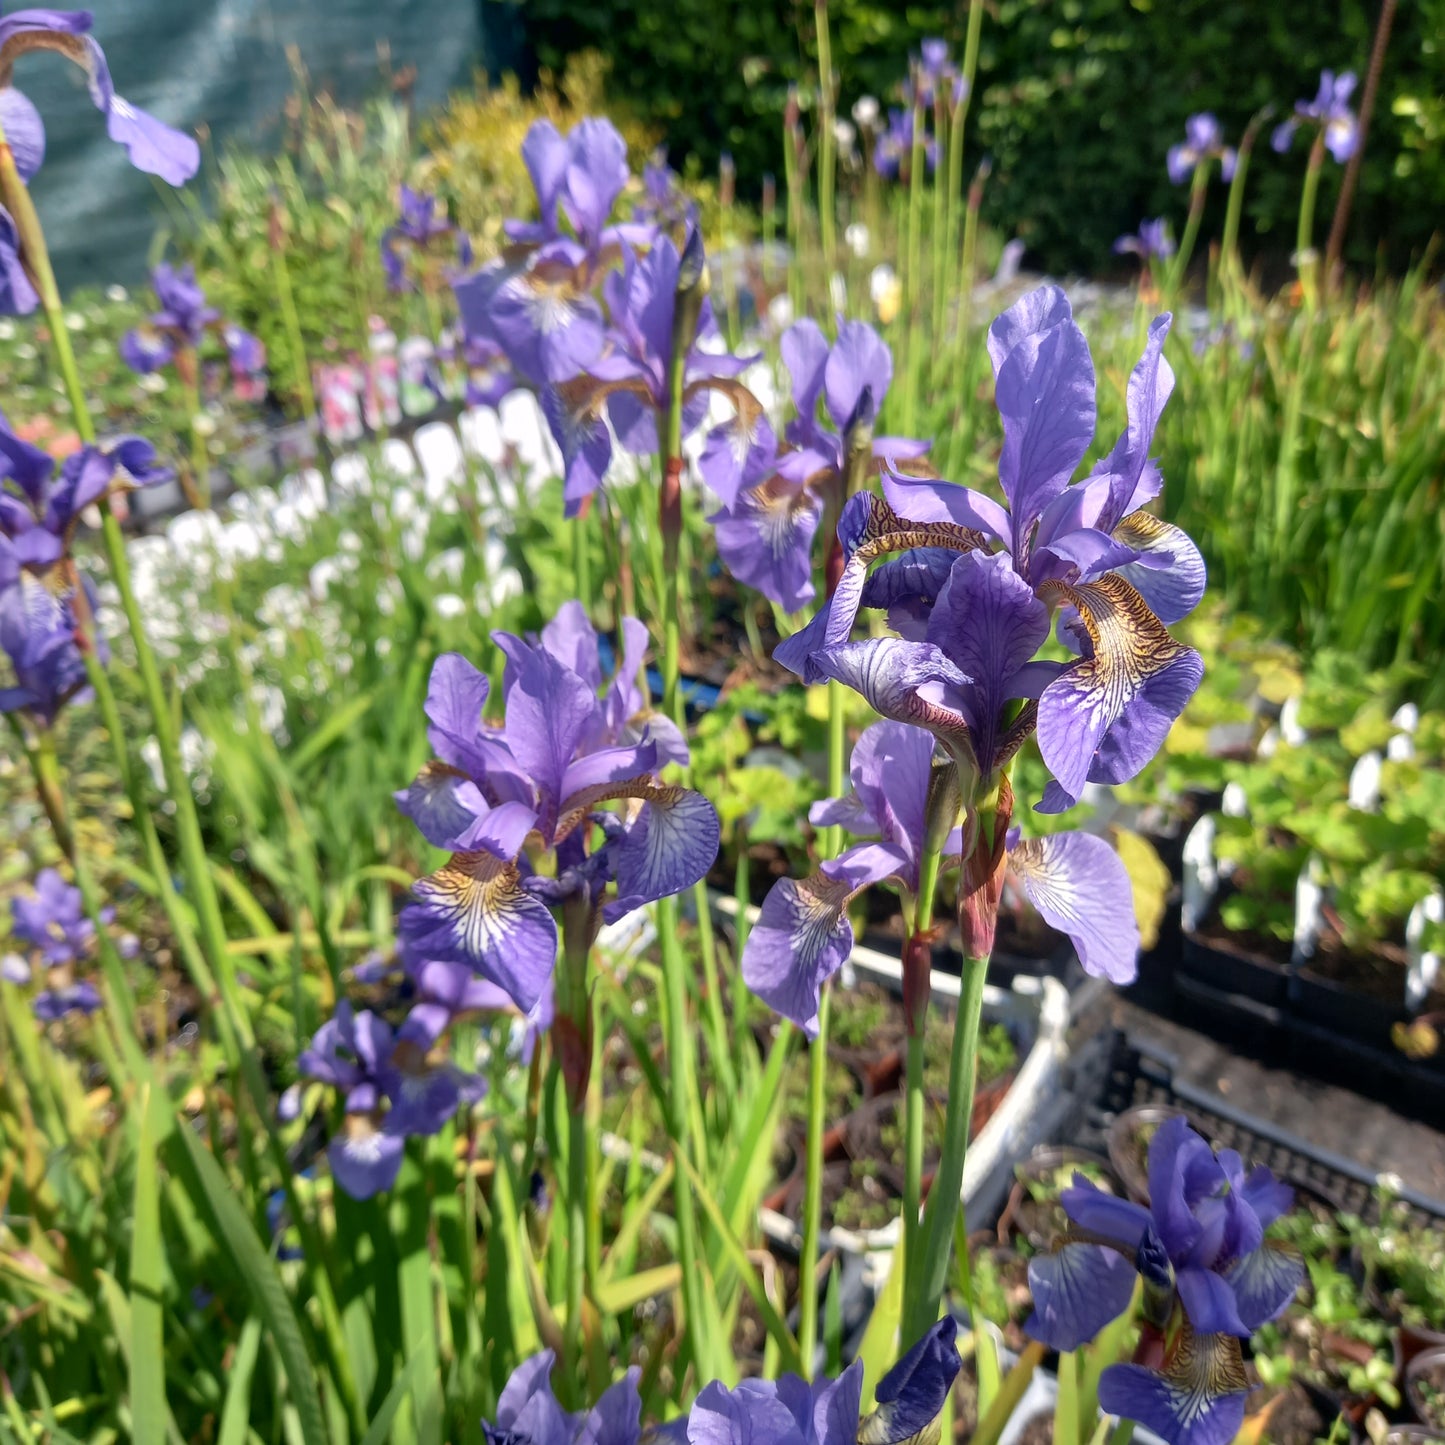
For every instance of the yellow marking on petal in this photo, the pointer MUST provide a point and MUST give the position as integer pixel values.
(1199, 1369)
(664, 795)
(475, 891)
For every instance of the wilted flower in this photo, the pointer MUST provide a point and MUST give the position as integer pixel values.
(1153, 241)
(774, 501)
(1210, 1279)
(538, 783)
(1082, 552)
(1330, 112)
(1203, 142)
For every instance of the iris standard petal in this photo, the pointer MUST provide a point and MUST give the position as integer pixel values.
(1197, 1400)
(549, 711)
(858, 358)
(366, 1162)
(1264, 1282)
(1077, 1289)
(1105, 717)
(908, 586)
(1045, 396)
(891, 767)
(1079, 885)
(805, 353)
(911, 1396)
(475, 911)
(1150, 385)
(752, 1414)
(766, 540)
(571, 638)
(528, 1408)
(1266, 1195)
(989, 624)
(1174, 1147)
(595, 176)
(28, 466)
(443, 803)
(24, 131)
(738, 454)
(1209, 1301)
(1040, 310)
(803, 936)
(1098, 1212)
(832, 1417)
(456, 694)
(616, 1418)
(545, 154)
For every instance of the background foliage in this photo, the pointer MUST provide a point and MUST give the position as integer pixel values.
(1078, 99)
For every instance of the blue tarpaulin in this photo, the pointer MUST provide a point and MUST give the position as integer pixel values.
(219, 65)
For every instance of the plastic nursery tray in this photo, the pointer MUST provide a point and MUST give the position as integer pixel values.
(1112, 1072)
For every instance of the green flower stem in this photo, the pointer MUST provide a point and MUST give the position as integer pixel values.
(1230, 263)
(46, 769)
(189, 366)
(827, 145)
(917, 948)
(920, 1308)
(912, 267)
(1305, 257)
(1197, 193)
(572, 1042)
(813, 1188)
(794, 220)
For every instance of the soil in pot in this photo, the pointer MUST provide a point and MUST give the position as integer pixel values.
(1425, 1385)
(998, 1057)
(1129, 1138)
(867, 1030)
(1038, 1429)
(965, 1403)
(1297, 1415)
(1033, 1217)
(1000, 1279)
(1312, 1228)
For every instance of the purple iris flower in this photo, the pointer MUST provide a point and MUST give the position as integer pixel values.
(773, 502)
(1210, 1279)
(794, 1411)
(419, 222)
(1329, 111)
(53, 921)
(803, 935)
(528, 1413)
(540, 780)
(1203, 142)
(151, 146)
(38, 632)
(180, 325)
(54, 1003)
(1152, 241)
(664, 204)
(536, 301)
(893, 150)
(392, 1090)
(39, 511)
(1082, 553)
(628, 383)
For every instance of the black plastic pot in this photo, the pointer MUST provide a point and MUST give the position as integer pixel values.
(1239, 974)
(1424, 1365)
(1132, 1169)
(1043, 1162)
(1345, 1011)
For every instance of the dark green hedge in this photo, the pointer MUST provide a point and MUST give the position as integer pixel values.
(1079, 99)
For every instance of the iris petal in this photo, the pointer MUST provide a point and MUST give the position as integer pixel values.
(766, 540)
(911, 1396)
(803, 936)
(1077, 1289)
(668, 847)
(1079, 886)
(474, 911)
(1106, 716)
(366, 1163)
(1197, 1400)
(1264, 1282)
(1170, 573)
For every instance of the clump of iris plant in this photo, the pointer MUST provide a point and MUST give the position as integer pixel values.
(152, 146)
(1210, 1279)
(52, 927)
(176, 332)
(47, 605)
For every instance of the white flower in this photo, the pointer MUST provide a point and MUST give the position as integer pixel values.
(844, 134)
(116, 293)
(74, 321)
(7, 329)
(780, 312)
(857, 238)
(154, 382)
(865, 112)
(448, 605)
